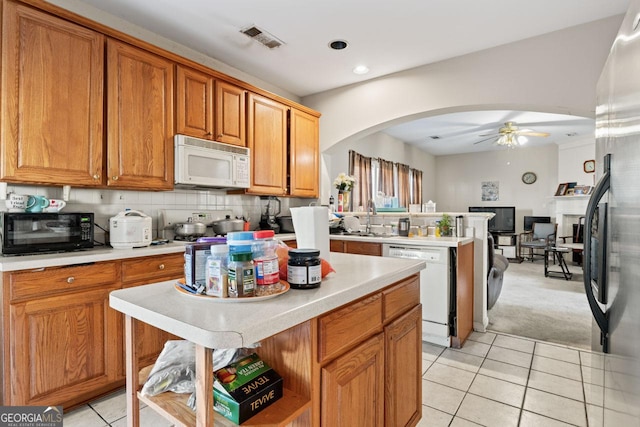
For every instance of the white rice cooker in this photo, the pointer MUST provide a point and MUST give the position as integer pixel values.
(130, 229)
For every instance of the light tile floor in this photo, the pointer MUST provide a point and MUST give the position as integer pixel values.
(494, 380)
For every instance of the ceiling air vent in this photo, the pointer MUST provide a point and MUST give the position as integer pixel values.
(262, 36)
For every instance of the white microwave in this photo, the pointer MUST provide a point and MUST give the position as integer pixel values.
(202, 163)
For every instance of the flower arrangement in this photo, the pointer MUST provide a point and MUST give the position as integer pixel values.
(344, 182)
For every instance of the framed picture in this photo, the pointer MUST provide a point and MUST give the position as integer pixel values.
(570, 192)
(582, 189)
(562, 188)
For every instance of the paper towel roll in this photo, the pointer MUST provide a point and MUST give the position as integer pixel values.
(311, 224)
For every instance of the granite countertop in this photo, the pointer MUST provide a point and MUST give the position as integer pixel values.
(229, 324)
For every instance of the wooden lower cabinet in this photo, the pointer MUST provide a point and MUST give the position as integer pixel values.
(403, 386)
(375, 380)
(63, 349)
(336, 245)
(353, 387)
(62, 342)
(355, 247)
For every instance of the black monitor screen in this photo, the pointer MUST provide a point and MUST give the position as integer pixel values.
(503, 222)
(529, 220)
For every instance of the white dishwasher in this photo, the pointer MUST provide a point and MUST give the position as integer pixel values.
(437, 292)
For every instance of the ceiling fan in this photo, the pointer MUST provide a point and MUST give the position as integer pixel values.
(511, 135)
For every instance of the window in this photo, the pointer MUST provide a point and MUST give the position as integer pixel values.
(386, 177)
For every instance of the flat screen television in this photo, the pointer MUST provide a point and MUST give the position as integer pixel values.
(529, 220)
(504, 222)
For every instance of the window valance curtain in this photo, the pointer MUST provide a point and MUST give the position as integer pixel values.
(360, 168)
(392, 179)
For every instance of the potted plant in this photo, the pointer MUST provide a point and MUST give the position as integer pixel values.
(445, 225)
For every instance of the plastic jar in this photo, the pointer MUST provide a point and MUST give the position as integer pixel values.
(240, 241)
(265, 261)
(241, 275)
(218, 272)
(304, 270)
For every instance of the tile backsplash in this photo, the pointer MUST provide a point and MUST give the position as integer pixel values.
(105, 203)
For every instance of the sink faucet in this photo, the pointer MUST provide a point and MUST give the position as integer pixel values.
(371, 208)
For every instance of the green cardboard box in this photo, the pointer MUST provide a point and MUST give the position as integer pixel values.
(244, 388)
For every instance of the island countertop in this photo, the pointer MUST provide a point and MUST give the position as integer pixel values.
(230, 324)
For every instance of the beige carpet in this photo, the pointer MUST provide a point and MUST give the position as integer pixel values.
(544, 308)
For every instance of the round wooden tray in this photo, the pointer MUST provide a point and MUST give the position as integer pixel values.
(284, 284)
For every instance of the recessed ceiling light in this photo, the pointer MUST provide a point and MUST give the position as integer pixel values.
(338, 44)
(361, 69)
(572, 134)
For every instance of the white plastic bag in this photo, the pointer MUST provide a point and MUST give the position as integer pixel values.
(175, 369)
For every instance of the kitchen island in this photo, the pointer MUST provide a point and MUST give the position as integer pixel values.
(364, 318)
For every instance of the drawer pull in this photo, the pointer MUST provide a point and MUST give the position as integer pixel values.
(70, 279)
(161, 267)
(115, 178)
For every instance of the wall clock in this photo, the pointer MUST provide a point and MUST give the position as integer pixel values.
(589, 166)
(529, 177)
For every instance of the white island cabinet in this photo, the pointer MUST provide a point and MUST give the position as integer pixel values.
(355, 340)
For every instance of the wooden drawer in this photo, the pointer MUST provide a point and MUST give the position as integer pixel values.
(344, 327)
(26, 284)
(401, 297)
(363, 248)
(153, 268)
(336, 246)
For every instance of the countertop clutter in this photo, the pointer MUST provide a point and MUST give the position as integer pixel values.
(366, 314)
(13, 263)
(232, 325)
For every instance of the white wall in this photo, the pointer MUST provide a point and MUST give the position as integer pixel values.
(389, 148)
(459, 179)
(556, 72)
(571, 158)
(111, 21)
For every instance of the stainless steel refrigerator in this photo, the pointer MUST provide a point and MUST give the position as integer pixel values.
(612, 235)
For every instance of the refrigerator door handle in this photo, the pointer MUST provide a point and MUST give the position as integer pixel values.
(601, 188)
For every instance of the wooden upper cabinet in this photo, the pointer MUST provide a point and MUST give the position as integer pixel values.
(139, 118)
(303, 155)
(267, 139)
(210, 109)
(194, 103)
(230, 114)
(52, 99)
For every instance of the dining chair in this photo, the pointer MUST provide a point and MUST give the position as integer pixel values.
(541, 236)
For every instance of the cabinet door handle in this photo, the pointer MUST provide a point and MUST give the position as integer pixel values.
(161, 267)
(96, 177)
(70, 279)
(115, 178)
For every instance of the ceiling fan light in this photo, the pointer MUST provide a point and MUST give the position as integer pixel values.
(522, 139)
